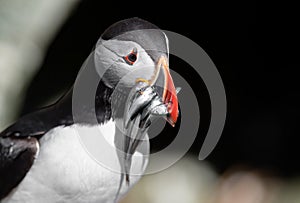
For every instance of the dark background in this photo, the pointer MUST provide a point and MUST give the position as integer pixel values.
(254, 48)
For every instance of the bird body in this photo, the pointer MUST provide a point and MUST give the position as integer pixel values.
(57, 175)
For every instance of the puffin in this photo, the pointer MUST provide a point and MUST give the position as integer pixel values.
(42, 155)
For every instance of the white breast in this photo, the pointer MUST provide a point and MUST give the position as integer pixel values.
(65, 172)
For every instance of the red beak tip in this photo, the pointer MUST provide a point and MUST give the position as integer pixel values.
(171, 122)
(172, 118)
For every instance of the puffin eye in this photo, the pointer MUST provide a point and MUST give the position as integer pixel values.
(131, 58)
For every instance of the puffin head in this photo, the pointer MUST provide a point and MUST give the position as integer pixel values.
(132, 51)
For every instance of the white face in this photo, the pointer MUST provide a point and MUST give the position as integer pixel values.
(116, 64)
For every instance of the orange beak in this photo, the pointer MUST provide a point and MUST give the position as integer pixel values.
(169, 96)
(169, 93)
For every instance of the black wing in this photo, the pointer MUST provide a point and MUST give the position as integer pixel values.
(19, 148)
(16, 158)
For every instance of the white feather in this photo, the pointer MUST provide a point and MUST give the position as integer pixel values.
(65, 172)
